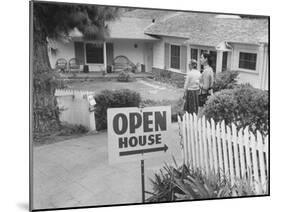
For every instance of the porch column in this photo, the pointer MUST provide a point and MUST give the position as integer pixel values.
(187, 55)
(198, 60)
(219, 61)
(104, 56)
(260, 66)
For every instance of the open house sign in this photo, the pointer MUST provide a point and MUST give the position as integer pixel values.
(137, 133)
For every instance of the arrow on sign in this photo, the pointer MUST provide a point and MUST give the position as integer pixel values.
(142, 151)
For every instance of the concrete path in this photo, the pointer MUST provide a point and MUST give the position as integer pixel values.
(76, 172)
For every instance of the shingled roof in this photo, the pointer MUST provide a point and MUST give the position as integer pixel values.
(157, 15)
(129, 28)
(207, 29)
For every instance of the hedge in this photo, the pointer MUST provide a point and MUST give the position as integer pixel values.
(112, 99)
(243, 105)
(225, 80)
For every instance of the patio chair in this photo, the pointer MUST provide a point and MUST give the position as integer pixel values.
(121, 63)
(61, 64)
(74, 65)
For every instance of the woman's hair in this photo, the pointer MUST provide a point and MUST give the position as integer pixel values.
(193, 64)
(208, 57)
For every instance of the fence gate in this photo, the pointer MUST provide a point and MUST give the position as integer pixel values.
(75, 107)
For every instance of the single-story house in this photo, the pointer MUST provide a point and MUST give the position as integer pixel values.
(167, 40)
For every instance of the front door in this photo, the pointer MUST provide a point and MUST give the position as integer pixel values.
(148, 57)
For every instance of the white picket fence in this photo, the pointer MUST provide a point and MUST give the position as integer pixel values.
(75, 107)
(220, 149)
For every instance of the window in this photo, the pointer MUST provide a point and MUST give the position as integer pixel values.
(224, 61)
(175, 57)
(94, 53)
(194, 54)
(247, 60)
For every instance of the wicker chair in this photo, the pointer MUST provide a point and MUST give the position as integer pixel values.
(61, 64)
(74, 65)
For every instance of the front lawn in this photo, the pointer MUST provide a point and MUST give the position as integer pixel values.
(148, 89)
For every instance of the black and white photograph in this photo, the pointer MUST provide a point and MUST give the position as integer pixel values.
(132, 105)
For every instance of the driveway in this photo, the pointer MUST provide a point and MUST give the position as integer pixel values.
(76, 172)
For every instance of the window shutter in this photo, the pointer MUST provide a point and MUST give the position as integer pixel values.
(167, 56)
(109, 53)
(183, 58)
(79, 52)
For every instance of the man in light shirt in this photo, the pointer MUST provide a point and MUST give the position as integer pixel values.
(207, 78)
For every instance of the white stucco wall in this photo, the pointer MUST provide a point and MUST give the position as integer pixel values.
(159, 50)
(126, 48)
(64, 50)
(246, 76)
(158, 54)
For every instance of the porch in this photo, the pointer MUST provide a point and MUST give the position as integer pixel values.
(98, 56)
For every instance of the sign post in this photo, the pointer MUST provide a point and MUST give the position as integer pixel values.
(142, 182)
(135, 134)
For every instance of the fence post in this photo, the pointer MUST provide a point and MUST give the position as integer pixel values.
(248, 156)
(235, 148)
(230, 154)
(184, 124)
(253, 144)
(214, 142)
(205, 146)
(218, 133)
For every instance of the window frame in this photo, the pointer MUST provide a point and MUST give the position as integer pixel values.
(85, 53)
(247, 52)
(248, 49)
(170, 58)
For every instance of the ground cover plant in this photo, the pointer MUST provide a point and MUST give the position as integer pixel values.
(174, 183)
(126, 77)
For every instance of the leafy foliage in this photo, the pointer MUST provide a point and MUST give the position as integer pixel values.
(183, 183)
(176, 106)
(111, 99)
(57, 20)
(54, 21)
(72, 129)
(225, 80)
(243, 105)
(125, 76)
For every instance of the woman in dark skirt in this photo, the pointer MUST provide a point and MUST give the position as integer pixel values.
(191, 87)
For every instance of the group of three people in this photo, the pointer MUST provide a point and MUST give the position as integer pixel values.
(198, 84)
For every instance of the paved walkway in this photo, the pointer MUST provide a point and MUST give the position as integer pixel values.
(76, 173)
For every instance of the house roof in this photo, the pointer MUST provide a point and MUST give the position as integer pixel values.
(129, 28)
(157, 15)
(206, 29)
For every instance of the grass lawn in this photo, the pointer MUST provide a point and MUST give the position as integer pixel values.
(148, 89)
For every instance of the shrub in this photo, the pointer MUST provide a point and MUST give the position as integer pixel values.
(165, 74)
(72, 129)
(183, 183)
(125, 76)
(225, 80)
(243, 105)
(176, 106)
(111, 99)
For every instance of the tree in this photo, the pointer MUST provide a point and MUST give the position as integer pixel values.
(55, 21)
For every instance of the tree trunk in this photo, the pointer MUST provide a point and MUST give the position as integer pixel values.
(45, 110)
